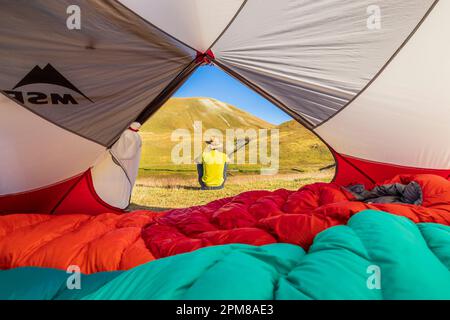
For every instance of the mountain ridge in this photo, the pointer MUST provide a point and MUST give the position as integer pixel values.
(211, 112)
(299, 147)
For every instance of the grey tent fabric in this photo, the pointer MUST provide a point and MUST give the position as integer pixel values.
(315, 56)
(94, 81)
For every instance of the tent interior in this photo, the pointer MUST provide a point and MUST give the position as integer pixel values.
(369, 81)
(338, 94)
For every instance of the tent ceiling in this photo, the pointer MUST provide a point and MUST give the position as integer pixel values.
(117, 62)
(316, 59)
(315, 56)
(403, 117)
(198, 23)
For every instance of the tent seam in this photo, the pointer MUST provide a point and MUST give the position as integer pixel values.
(228, 25)
(159, 100)
(66, 194)
(297, 117)
(383, 68)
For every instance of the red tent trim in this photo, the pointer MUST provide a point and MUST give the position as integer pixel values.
(351, 170)
(75, 195)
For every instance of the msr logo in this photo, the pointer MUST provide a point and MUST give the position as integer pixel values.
(40, 79)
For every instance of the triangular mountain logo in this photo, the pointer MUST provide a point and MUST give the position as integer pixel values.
(46, 75)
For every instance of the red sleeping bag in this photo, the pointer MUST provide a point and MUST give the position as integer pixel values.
(121, 241)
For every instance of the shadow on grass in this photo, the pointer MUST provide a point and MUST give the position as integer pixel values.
(134, 207)
(187, 187)
(169, 187)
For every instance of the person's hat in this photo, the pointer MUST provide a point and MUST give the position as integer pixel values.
(214, 143)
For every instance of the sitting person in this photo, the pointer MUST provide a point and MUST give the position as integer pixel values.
(212, 169)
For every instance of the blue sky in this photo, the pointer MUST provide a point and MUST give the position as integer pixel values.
(209, 81)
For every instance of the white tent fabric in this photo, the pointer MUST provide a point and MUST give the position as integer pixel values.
(115, 175)
(198, 23)
(315, 56)
(403, 118)
(35, 153)
(113, 67)
(376, 92)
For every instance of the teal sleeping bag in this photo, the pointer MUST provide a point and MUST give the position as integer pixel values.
(375, 256)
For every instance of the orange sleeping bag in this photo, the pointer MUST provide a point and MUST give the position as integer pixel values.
(111, 241)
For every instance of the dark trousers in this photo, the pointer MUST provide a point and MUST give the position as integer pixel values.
(200, 176)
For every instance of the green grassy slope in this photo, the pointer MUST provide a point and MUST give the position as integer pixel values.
(182, 112)
(299, 148)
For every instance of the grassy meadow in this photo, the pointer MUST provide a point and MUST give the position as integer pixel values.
(163, 185)
(162, 193)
